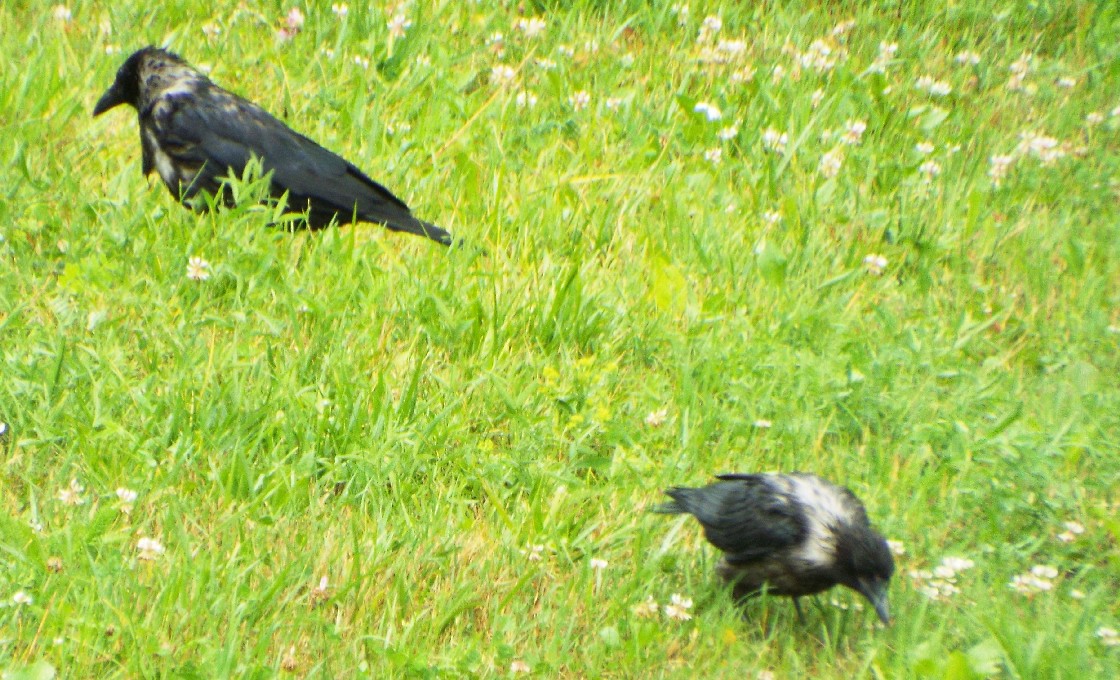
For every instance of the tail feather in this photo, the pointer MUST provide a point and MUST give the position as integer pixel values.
(419, 227)
(680, 503)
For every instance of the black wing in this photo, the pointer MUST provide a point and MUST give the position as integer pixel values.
(219, 132)
(744, 516)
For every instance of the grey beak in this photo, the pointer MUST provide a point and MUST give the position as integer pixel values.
(876, 593)
(111, 98)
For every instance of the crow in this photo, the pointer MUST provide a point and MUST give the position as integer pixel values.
(789, 534)
(194, 133)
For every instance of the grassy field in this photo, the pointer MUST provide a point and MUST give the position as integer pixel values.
(875, 241)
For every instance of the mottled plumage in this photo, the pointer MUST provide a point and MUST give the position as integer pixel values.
(193, 133)
(790, 534)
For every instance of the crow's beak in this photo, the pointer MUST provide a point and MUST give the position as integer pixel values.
(111, 98)
(876, 592)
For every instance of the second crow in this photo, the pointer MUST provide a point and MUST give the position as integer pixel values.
(194, 133)
(789, 534)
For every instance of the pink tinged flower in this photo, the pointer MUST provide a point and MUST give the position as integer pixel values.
(519, 666)
(678, 607)
(714, 156)
(21, 598)
(924, 148)
(294, 20)
(657, 418)
(149, 548)
(598, 564)
(897, 548)
(579, 100)
(1109, 637)
(61, 13)
(875, 264)
(763, 424)
(843, 28)
(1094, 118)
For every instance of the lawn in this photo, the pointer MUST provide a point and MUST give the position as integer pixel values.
(879, 242)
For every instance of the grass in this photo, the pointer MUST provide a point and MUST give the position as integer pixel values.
(411, 423)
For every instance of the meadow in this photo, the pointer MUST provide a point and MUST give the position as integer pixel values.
(875, 241)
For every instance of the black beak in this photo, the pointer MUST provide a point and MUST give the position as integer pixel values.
(111, 98)
(876, 593)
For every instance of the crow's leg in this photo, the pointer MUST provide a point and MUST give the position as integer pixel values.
(800, 614)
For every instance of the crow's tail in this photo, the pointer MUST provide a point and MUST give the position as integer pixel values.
(412, 225)
(681, 502)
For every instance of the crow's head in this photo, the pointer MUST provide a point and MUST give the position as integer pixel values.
(134, 74)
(864, 563)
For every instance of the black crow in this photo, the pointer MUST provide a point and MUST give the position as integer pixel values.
(790, 534)
(194, 133)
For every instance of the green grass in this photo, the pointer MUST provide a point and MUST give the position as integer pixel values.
(409, 422)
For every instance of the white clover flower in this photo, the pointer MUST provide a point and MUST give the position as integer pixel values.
(533, 554)
(817, 97)
(714, 156)
(657, 418)
(526, 98)
(743, 75)
(762, 424)
(1109, 637)
(958, 563)
(198, 269)
(340, 9)
(598, 564)
(1044, 571)
(565, 51)
(930, 169)
(710, 111)
(1066, 82)
(924, 148)
(647, 609)
(967, 58)
(503, 73)
(678, 607)
(853, 132)
(211, 30)
(61, 13)
(998, 166)
(149, 548)
(728, 133)
(71, 495)
(843, 28)
(579, 100)
(831, 162)
(519, 666)
(21, 598)
(774, 141)
(770, 217)
(897, 548)
(875, 264)
(1094, 118)
(361, 61)
(531, 26)
(820, 56)
(398, 24)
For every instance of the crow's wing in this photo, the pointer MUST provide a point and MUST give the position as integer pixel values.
(746, 518)
(219, 132)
